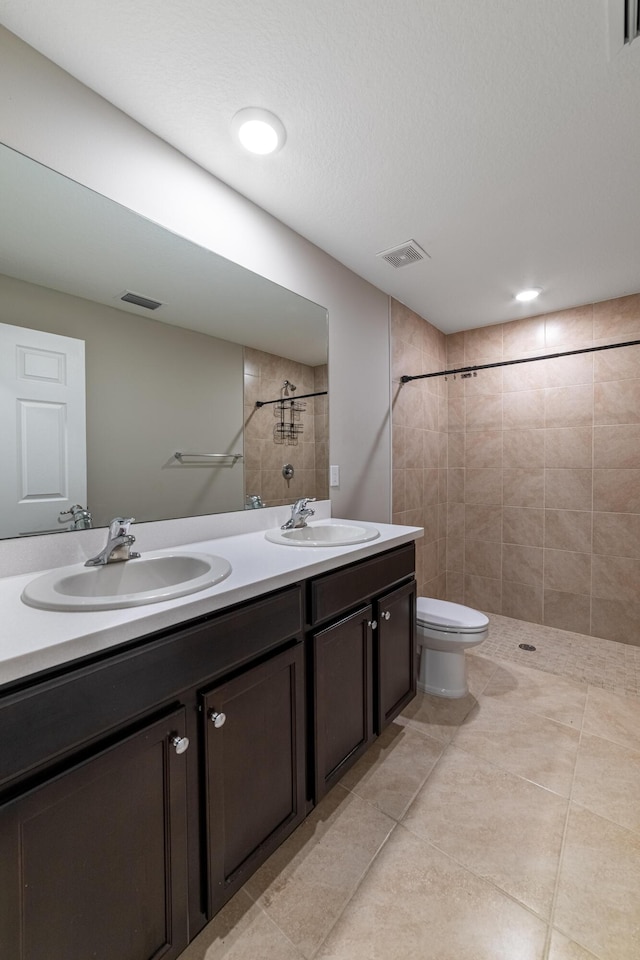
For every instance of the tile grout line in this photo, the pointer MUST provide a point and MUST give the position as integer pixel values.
(554, 898)
(356, 887)
(478, 876)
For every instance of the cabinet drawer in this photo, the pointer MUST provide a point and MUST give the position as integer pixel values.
(51, 718)
(334, 593)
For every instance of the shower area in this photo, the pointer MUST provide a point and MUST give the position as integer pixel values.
(525, 476)
(286, 430)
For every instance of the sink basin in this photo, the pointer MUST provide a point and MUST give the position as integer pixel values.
(150, 579)
(325, 535)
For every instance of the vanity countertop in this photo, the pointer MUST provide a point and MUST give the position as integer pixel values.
(33, 640)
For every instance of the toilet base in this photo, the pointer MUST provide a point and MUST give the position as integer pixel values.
(443, 674)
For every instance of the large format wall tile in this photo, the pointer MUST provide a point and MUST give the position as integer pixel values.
(617, 445)
(617, 320)
(567, 611)
(568, 530)
(568, 489)
(616, 491)
(568, 447)
(616, 534)
(523, 525)
(617, 401)
(522, 601)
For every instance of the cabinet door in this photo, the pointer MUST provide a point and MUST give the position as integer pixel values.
(343, 707)
(93, 863)
(255, 768)
(395, 653)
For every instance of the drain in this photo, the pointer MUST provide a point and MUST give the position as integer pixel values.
(526, 646)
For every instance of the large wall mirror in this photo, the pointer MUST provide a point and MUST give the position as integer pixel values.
(98, 394)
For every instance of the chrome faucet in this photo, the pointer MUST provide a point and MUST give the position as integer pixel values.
(299, 513)
(118, 547)
(80, 517)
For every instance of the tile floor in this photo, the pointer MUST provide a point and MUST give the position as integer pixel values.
(504, 826)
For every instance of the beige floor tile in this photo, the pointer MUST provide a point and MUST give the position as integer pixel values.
(607, 781)
(393, 769)
(503, 828)
(241, 931)
(530, 746)
(479, 672)
(538, 692)
(438, 717)
(564, 949)
(613, 717)
(305, 884)
(418, 904)
(598, 899)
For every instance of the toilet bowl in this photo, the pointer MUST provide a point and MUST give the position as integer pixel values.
(444, 631)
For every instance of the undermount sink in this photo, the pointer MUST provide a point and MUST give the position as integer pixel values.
(152, 578)
(323, 535)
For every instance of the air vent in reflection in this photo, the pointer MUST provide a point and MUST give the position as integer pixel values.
(139, 301)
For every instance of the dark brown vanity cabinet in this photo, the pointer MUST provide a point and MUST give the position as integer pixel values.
(93, 862)
(255, 768)
(363, 657)
(343, 696)
(117, 842)
(395, 652)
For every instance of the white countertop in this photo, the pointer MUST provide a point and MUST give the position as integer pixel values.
(32, 640)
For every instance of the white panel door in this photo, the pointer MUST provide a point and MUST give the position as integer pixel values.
(42, 429)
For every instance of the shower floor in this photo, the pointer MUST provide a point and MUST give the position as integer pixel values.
(602, 663)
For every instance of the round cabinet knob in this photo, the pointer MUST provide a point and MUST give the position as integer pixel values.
(372, 623)
(217, 719)
(180, 743)
(386, 615)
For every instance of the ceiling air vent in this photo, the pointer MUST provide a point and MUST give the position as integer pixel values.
(139, 301)
(402, 256)
(631, 20)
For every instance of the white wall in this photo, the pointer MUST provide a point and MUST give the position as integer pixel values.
(47, 115)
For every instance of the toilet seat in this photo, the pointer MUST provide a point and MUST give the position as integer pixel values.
(451, 618)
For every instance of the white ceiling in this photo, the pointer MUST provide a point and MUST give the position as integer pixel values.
(501, 135)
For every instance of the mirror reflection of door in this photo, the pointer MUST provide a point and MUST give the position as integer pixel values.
(42, 429)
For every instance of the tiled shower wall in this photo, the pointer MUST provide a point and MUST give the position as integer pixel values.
(264, 456)
(543, 471)
(419, 418)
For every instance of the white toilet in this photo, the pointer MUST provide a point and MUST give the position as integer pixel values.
(444, 631)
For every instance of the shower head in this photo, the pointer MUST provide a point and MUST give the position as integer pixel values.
(288, 386)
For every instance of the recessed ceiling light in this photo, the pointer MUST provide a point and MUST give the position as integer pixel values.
(526, 295)
(258, 130)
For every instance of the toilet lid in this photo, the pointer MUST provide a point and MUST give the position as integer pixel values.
(454, 616)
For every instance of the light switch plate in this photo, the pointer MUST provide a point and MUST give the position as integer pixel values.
(334, 476)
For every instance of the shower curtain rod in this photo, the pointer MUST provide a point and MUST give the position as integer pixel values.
(508, 363)
(303, 396)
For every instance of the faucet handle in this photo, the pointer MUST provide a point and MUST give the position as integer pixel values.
(119, 526)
